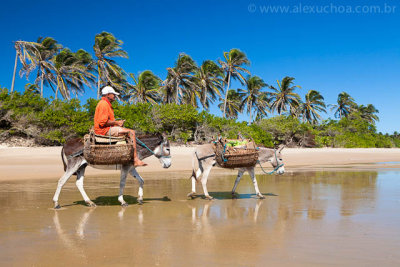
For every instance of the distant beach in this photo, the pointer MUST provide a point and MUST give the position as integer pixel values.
(30, 163)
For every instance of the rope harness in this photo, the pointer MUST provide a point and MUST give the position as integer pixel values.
(80, 152)
(144, 145)
(274, 170)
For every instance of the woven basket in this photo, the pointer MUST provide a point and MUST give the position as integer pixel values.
(102, 154)
(235, 157)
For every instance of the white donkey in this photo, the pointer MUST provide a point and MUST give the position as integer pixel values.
(157, 145)
(204, 160)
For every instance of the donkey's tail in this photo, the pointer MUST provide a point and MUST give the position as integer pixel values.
(62, 158)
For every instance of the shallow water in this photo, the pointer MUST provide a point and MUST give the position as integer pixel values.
(307, 219)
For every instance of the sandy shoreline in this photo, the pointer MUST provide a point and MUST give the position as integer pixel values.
(17, 163)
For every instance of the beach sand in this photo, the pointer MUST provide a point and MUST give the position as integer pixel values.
(18, 163)
(313, 215)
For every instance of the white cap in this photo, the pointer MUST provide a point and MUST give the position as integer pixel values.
(108, 90)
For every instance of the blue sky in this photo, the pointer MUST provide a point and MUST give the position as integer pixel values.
(326, 45)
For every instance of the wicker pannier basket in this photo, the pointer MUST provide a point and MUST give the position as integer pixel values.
(235, 157)
(107, 154)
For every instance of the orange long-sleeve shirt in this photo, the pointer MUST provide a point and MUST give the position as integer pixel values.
(103, 113)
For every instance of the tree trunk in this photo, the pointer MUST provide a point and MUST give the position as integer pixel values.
(205, 98)
(250, 117)
(41, 84)
(15, 70)
(226, 93)
(98, 86)
(177, 93)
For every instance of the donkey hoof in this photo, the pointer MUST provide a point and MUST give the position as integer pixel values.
(192, 195)
(260, 196)
(124, 204)
(234, 196)
(57, 207)
(91, 204)
(209, 197)
(140, 201)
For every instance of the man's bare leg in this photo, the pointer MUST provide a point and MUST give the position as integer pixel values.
(136, 161)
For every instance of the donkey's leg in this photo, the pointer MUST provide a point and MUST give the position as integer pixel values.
(79, 183)
(206, 172)
(195, 176)
(253, 178)
(239, 176)
(135, 174)
(72, 167)
(124, 174)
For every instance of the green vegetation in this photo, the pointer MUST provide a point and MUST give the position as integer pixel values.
(51, 122)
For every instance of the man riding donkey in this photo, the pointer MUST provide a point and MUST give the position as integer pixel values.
(105, 123)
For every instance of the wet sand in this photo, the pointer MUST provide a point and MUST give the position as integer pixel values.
(307, 219)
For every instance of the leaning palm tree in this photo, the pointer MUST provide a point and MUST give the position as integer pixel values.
(232, 104)
(232, 66)
(42, 56)
(106, 47)
(368, 113)
(208, 80)
(23, 52)
(70, 73)
(179, 86)
(314, 103)
(145, 88)
(252, 95)
(345, 105)
(284, 98)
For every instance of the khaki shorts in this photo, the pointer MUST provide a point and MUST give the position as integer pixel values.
(114, 131)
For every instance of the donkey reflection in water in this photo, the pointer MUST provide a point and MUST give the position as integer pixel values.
(204, 160)
(157, 145)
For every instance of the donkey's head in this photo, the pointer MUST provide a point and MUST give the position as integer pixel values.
(274, 157)
(163, 152)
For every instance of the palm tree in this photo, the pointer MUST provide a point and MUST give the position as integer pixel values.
(284, 98)
(252, 95)
(232, 66)
(23, 51)
(345, 105)
(145, 89)
(208, 82)
(262, 106)
(314, 103)
(232, 104)
(368, 113)
(32, 88)
(71, 73)
(42, 56)
(106, 47)
(179, 86)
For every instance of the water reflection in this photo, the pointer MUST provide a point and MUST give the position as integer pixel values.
(297, 207)
(69, 241)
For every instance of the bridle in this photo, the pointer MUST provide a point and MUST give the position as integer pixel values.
(275, 169)
(152, 152)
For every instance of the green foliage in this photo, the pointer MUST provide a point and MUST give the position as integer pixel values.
(173, 116)
(288, 130)
(51, 122)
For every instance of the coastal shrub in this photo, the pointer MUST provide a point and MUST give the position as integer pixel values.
(288, 130)
(51, 122)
